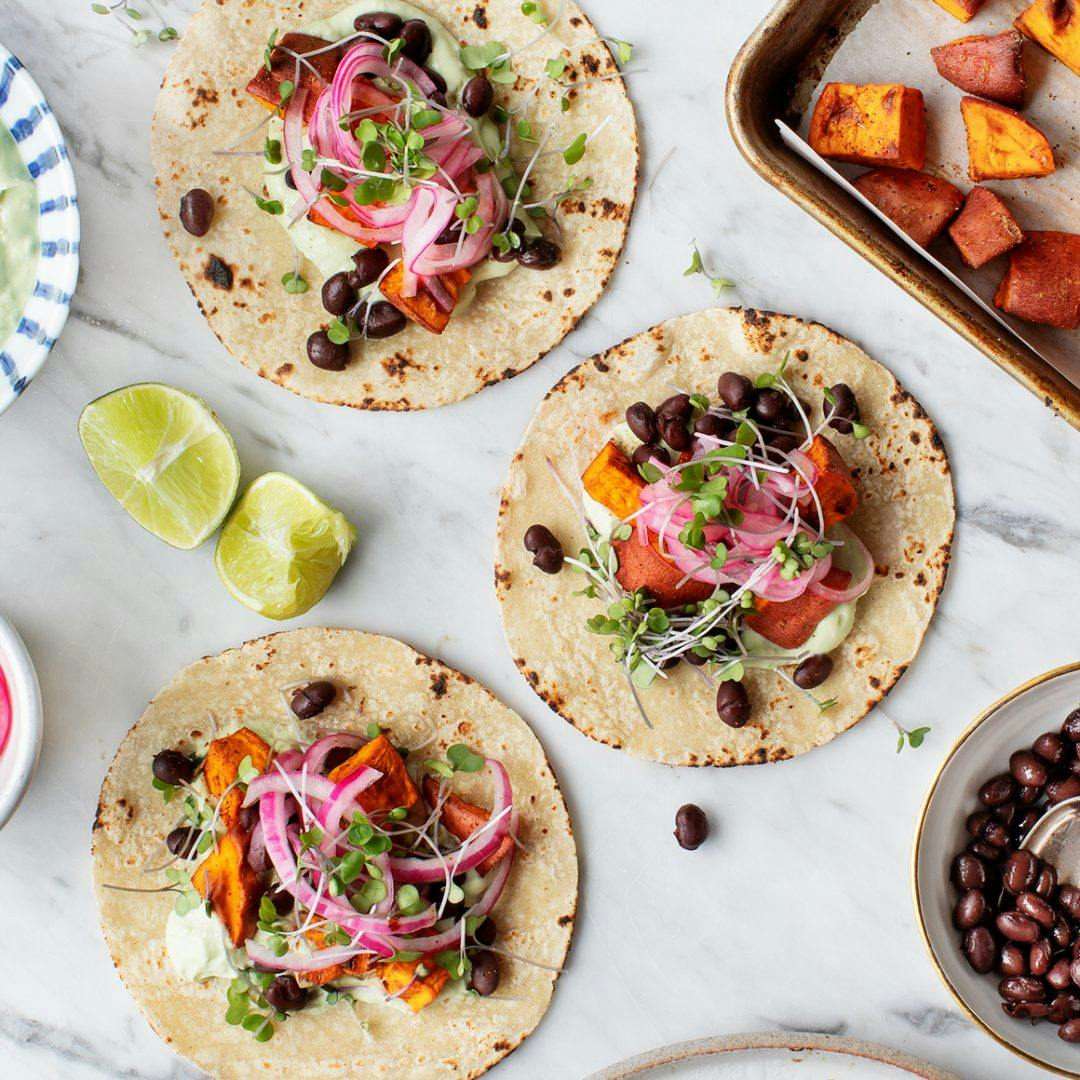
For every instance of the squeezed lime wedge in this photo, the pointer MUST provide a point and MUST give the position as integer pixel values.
(282, 547)
(165, 458)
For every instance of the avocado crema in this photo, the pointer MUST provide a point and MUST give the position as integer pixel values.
(19, 246)
(332, 251)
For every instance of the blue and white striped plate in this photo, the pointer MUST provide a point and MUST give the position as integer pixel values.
(26, 114)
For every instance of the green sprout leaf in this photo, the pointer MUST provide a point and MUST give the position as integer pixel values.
(338, 332)
(478, 57)
(860, 431)
(576, 150)
(285, 90)
(533, 12)
(555, 67)
(294, 283)
(272, 151)
(269, 206)
(697, 266)
(439, 767)
(623, 50)
(463, 759)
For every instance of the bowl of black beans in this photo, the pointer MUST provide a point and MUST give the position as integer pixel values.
(998, 906)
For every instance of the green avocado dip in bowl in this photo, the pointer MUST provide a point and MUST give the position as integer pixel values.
(39, 229)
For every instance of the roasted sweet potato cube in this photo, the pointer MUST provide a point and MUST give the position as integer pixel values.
(232, 887)
(612, 480)
(398, 974)
(1002, 145)
(265, 85)
(964, 10)
(834, 486)
(1055, 25)
(222, 763)
(1043, 281)
(990, 67)
(462, 819)
(422, 308)
(873, 124)
(393, 789)
(790, 623)
(984, 229)
(641, 566)
(358, 965)
(922, 205)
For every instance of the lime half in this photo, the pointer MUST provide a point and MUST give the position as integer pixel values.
(282, 547)
(164, 457)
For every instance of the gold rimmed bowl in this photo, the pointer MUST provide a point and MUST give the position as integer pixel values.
(983, 750)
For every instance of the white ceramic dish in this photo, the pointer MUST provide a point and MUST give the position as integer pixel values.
(20, 756)
(775, 1056)
(1010, 724)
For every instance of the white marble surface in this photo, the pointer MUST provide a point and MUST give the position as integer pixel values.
(797, 914)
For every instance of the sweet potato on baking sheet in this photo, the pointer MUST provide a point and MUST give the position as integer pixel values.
(964, 10)
(393, 789)
(422, 308)
(232, 887)
(834, 486)
(315, 72)
(1002, 145)
(989, 67)
(398, 974)
(1043, 281)
(612, 480)
(790, 623)
(984, 229)
(223, 758)
(462, 819)
(922, 205)
(874, 124)
(1055, 25)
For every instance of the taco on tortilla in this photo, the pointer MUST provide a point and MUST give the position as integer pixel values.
(722, 540)
(389, 205)
(323, 853)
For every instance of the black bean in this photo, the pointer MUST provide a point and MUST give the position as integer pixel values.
(1068, 899)
(645, 453)
(845, 411)
(197, 211)
(1026, 1010)
(1021, 870)
(310, 700)
(282, 900)
(712, 426)
(1028, 795)
(172, 767)
(1071, 728)
(337, 294)
(1046, 882)
(417, 38)
(289, 181)
(691, 826)
(1061, 933)
(642, 422)
(1027, 769)
(1070, 1031)
(735, 390)
(326, 354)
(996, 834)
(477, 96)
(813, 671)
(1012, 960)
(1021, 988)
(1066, 787)
(486, 932)
(997, 790)
(1058, 975)
(338, 756)
(384, 23)
(369, 263)
(976, 821)
(677, 406)
(732, 704)
(539, 254)
(1039, 957)
(285, 994)
(1026, 822)
(485, 973)
(1034, 905)
(181, 841)
(675, 433)
(1016, 926)
(772, 407)
(970, 910)
(538, 536)
(248, 816)
(979, 949)
(1050, 747)
(437, 79)
(1006, 813)
(382, 320)
(968, 871)
(549, 560)
(987, 852)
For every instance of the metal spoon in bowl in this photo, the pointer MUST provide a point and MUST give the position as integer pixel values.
(1055, 838)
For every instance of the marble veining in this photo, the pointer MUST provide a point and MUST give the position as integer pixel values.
(797, 914)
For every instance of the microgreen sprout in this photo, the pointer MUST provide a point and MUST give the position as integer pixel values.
(139, 36)
(697, 266)
(294, 283)
(913, 738)
(245, 1001)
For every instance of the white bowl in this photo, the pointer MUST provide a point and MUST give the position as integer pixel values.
(20, 756)
(1012, 723)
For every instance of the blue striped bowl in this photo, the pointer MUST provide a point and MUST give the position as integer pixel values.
(26, 114)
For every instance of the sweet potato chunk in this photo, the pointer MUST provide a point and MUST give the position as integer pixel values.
(232, 887)
(397, 974)
(984, 229)
(790, 623)
(265, 86)
(222, 763)
(834, 486)
(1043, 281)
(393, 789)
(922, 205)
(1055, 25)
(422, 308)
(1002, 145)
(358, 965)
(613, 482)
(874, 124)
(462, 819)
(964, 10)
(990, 67)
(641, 566)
